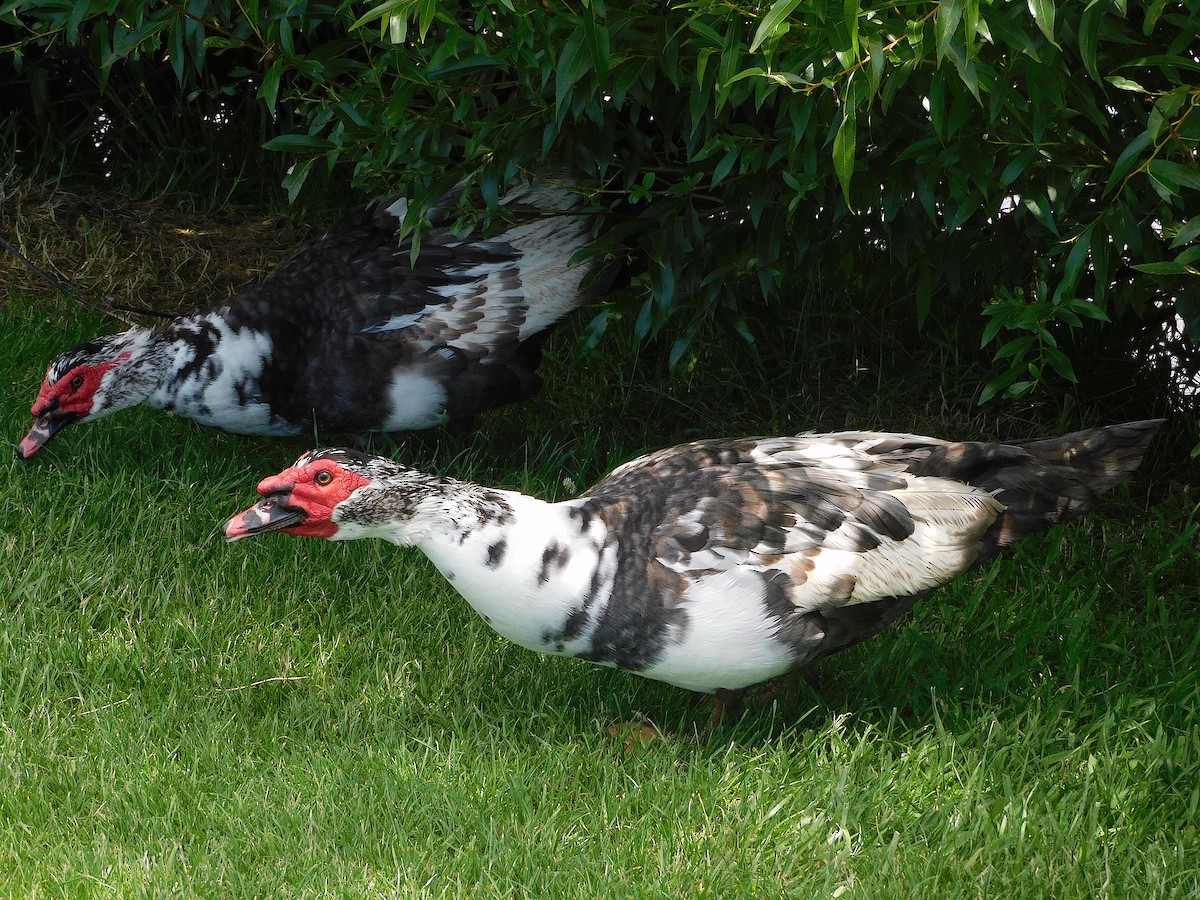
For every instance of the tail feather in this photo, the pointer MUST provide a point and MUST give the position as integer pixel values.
(1108, 455)
(1062, 477)
(1040, 482)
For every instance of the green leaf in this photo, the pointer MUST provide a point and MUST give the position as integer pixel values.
(771, 22)
(1175, 174)
(851, 10)
(1125, 84)
(1016, 168)
(678, 349)
(723, 167)
(175, 49)
(875, 70)
(1016, 348)
(1043, 14)
(78, 12)
(998, 384)
(1087, 308)
(595, 329)
(752, 72)
(641, 327)
(843, 150)
(1163, 268)
(1074, 264)
(949, 14)
(1039, 204)
(489, 189)
(995, 323)
(571, 66)
(1189, 256)
(595, 36)
(300, 143)
(1126, 161)
(381, 13)
(268, 91)
(1061, 364)
(296, 176)
(1089, 33)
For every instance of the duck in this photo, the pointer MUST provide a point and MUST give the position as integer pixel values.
(351, 334)
(718, 565)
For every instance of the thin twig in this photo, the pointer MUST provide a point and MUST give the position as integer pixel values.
(36, 269)
(109, 303)
(243, 687)
(230, 690)
(89, 712)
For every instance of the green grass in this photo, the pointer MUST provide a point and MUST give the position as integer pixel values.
(284, 717)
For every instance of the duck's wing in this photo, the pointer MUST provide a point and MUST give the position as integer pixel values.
(827, 521)
(843, 531)
(473, 296)
(813, 538)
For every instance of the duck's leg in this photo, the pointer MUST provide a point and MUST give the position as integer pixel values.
(725, 702)
(459, 430)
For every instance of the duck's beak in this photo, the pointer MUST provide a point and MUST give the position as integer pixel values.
(48, 424)
(269, 514)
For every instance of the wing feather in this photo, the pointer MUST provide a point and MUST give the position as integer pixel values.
(844, 526)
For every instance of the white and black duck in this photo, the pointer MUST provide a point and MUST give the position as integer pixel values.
(348, 335)
(719, 564)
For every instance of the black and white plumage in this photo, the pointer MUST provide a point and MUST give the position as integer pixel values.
(348, 335)
(719, 564)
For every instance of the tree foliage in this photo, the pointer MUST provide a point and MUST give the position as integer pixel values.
(1034, 162)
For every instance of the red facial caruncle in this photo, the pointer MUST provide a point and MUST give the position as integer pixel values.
(75, 392)
(299, 500)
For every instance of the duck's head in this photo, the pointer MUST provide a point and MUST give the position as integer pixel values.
(334, 494)
(84, 383)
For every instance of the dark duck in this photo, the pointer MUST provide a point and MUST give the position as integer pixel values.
(350, 334)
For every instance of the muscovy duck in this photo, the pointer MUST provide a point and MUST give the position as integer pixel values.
(348, 335)
(715, 565)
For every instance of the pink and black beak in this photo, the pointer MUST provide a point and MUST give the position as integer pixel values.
(271, 513)
(48, 424)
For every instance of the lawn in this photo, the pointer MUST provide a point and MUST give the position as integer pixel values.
(282, 717)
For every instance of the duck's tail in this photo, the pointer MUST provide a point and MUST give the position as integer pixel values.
(1062, 477)
(1045, 481)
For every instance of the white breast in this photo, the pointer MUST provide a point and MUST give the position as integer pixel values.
(729, 641)
(521, 597)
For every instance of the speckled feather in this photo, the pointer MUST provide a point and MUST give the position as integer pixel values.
(720, 564)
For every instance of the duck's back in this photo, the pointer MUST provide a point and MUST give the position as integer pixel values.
(359, 338)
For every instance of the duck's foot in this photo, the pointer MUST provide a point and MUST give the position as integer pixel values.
(725, 703)
(638, 731)
(783, 690)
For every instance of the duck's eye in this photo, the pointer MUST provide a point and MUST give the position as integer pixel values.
(76, 382)
(323, 477)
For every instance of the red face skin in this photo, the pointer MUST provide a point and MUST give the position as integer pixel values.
(67, 400)
(305, 495)
(73, 398)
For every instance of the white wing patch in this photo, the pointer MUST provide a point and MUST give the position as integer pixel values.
(223, 389)
(415, 401)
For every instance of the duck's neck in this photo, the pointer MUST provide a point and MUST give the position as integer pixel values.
(528, 567)
(211, 372)
(142, 363)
